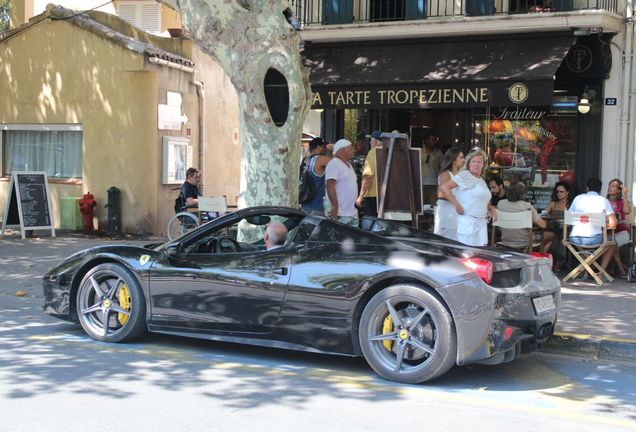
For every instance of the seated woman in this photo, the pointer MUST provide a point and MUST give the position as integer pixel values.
(617, 196)
(559, 203)
(515, 203)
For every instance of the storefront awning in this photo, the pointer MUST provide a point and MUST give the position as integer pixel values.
(436, 73)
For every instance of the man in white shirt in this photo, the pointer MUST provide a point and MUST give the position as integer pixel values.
(341, 184)
(589, 234)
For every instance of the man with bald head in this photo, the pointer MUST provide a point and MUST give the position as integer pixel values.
(275, 235)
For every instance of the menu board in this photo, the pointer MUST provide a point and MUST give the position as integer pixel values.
(28, 205)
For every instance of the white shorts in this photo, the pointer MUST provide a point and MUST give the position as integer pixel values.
(622, 238)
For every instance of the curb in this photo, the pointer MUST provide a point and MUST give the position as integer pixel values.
(594, 347)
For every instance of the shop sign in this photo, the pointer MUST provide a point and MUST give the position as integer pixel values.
(516, 113)
(535, 93)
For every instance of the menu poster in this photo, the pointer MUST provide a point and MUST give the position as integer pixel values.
(28, 205)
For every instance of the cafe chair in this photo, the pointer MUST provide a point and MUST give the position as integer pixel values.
(513, 221)
(587, 255)
(213, 204)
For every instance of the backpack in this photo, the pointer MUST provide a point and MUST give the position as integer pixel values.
(306, 187)
(179, 203)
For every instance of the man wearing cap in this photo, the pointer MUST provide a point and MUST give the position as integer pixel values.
(342, 188)
(317, 162)
(367, 198)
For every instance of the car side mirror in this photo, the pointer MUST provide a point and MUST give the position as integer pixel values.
(171, 252)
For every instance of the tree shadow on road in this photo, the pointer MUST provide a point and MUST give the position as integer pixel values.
(40, 355)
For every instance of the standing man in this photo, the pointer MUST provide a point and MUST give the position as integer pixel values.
(342, 188)
(316, 163)
(367, 199)
(359, 155)
(431, 164)
(190, 188)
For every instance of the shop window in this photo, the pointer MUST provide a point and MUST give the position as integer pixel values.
(56, 152)
(536, 151)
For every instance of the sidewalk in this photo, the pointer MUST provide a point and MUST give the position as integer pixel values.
(597, 322)
(594, 322)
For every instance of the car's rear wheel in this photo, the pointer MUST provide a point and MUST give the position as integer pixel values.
(407, 335)
(110, 304)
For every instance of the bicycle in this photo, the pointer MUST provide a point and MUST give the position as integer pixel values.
(183, 220)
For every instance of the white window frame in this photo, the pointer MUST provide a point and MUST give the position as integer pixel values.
(65, 127)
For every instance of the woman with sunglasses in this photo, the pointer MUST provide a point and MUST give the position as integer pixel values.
(560, 200)
(617, 196)
(558, 205)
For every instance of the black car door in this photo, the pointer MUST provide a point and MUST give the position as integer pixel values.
(238, 292)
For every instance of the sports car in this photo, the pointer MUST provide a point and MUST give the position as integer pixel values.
(412, 303)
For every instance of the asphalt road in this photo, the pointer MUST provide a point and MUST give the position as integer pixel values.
(54, 378)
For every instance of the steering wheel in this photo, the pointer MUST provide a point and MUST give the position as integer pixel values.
(209, 246)
(226, 244)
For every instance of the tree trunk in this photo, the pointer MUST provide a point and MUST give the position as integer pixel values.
(248, 38)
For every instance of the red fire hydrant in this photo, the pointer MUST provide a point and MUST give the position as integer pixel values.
(87, 204)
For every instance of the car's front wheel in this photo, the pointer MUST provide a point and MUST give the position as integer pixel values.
(407, 335)
(110, 304)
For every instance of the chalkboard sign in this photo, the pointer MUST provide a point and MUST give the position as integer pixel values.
(28, 205)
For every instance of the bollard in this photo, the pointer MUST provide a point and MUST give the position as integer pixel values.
(114, 219)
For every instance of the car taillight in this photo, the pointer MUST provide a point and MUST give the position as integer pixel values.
(543, 255)
(482, 267)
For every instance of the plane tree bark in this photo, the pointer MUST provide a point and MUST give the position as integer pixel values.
(252, 40)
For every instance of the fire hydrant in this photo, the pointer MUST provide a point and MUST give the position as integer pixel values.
(87, 205)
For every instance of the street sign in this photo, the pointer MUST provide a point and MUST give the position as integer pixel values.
(611, 101)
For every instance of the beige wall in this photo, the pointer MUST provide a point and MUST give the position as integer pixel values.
(169, 18)
(222, 153)
(74, 76)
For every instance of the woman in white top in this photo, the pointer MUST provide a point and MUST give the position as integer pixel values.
(471, 199)
(445, 214)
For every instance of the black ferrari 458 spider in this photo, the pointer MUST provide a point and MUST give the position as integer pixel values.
(412, 303)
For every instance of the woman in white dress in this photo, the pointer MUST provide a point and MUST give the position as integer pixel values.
(445, 214)
(471, 198)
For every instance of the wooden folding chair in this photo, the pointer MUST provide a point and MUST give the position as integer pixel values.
(515, 220)
(213, 204)
(588, 255)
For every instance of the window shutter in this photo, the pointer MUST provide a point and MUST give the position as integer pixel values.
(143, 15)
(128, 12)
(151, 17)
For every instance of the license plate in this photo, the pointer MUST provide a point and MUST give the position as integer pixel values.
(543, 304)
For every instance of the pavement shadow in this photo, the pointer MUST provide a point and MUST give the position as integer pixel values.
(40, 355)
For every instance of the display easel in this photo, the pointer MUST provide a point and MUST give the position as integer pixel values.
(28, 205)
(401, 160)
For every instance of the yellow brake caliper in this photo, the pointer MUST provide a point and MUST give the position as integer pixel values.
(124, 301)
(387, 328)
